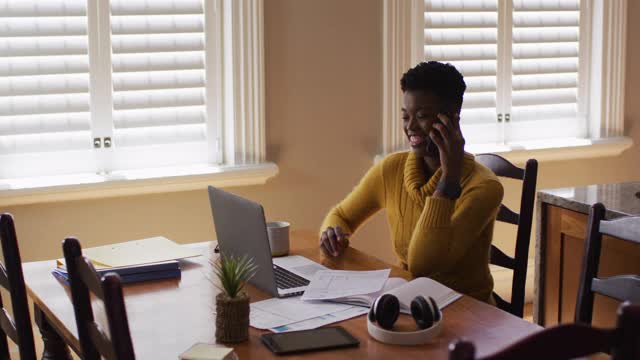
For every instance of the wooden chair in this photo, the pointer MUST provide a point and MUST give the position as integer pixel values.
(620, 287)
(84, 279)
(19, 329)
(503, 168)
(568, 341)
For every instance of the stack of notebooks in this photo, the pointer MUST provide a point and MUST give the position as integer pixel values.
(131, 274)
(139, 260)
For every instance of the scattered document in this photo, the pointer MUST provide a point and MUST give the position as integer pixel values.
(276, 312)
(333, 284)
(137, 252)
(406, 291)
(323, 320)
(367, 300)
(425, 287)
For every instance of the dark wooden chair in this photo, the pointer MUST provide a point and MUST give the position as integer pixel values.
(19, 328)
(84, 280)
(503, 168)
(619, 287)
(568, 341)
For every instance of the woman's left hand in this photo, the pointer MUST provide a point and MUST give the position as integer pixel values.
(448, 137)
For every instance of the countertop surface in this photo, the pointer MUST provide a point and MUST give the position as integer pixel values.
(621, 199)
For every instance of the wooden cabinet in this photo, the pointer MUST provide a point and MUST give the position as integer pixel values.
(561, 238)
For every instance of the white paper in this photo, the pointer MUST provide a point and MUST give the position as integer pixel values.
(425, 287)
(137, 252)
(333, 284)
(322, 320)
(276, 312)
(367, 300)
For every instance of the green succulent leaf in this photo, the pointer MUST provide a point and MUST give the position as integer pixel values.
(233, 272)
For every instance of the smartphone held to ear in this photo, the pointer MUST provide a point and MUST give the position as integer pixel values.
(430, 146)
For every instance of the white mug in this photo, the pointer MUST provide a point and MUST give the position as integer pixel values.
(278, 232)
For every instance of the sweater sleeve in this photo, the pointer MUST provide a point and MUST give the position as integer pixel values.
(445, 232)
(365, 200)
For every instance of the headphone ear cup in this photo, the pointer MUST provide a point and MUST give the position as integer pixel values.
(386, 310)
(372, 314)
(436, 310)
(421, 312)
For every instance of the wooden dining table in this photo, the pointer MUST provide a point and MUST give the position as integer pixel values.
(166, 317)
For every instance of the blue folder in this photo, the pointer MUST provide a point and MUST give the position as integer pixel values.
(133, 274)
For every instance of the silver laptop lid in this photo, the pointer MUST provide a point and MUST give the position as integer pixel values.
(241, 229)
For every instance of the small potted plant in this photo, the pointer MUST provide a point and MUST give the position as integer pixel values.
(232, 304)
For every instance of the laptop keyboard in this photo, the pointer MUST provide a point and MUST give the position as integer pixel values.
(285, 279)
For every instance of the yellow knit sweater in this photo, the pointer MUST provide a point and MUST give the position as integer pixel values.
(446, 240)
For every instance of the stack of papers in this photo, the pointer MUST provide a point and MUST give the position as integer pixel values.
(406, 291)
(139, 260)
(309, 312)
(277, 312)
(131, 274)
(323, 320)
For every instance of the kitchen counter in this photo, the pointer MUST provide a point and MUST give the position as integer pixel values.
(562, 216)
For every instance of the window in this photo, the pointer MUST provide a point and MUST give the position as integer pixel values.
(44, 88)
(536, 70)
(160, 110)
(105, 87)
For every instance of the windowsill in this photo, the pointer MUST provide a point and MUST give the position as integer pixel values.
(134, 182)
(558, 149)
(552, 150)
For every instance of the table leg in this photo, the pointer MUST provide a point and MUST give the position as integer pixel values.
(54, 346)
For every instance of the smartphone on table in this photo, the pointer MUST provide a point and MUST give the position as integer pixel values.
(325, 338)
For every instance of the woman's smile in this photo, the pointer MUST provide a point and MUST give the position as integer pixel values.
(416, 140)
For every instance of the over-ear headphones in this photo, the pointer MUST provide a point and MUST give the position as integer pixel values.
(386, 310)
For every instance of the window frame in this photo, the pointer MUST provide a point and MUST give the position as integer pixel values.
(603, 39)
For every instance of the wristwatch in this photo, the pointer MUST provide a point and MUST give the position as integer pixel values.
(450, 189)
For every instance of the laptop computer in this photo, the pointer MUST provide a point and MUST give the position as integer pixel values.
(241, 230)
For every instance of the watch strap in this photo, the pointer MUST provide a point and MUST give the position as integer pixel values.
(450, 189)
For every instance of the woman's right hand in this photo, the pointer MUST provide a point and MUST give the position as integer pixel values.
(334, 241)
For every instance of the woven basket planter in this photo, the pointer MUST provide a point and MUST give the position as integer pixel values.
(232, 318)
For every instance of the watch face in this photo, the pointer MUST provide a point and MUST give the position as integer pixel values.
(450, 190)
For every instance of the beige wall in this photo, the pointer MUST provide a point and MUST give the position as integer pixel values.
(323, 66)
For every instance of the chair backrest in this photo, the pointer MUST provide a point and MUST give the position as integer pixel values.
(568, 341)
(85, 280)
(19, 328)
(503, 168)
(620, 287)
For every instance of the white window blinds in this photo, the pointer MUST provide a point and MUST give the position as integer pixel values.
(520, 60)
(158, 64)
(465, 34)
(158, 72)
(44, 86)
(545, 64)
(106, 87)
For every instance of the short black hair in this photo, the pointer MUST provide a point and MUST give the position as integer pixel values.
(443, 80)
